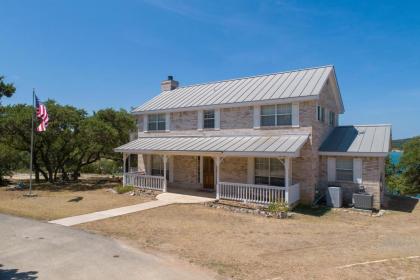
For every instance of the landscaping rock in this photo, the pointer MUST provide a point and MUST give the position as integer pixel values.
(254, 209)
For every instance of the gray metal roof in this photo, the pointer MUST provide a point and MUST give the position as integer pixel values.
(359, 139)
(284, 145)
(292, 84)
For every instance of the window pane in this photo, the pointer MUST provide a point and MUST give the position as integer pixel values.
(276, 168)
(161, 125)
(161, 117)
(209, 123)
(284, 120)
(268, 120)
(284, 109)
(276, 181)
(151, 126)
(152, 118)
(157, 162)
(260, 180)
(344, 163)
(261, 167)
(344, 175)
(268, 110)
(209, 114)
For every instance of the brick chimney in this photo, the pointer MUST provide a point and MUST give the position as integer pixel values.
(169, 84)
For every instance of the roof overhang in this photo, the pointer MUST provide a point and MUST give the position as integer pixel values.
(353, 154)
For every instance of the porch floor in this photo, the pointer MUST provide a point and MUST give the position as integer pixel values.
(192, 192)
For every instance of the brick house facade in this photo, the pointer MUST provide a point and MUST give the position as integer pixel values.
(269, 133)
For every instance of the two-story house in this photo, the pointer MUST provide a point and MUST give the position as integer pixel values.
(256, 139)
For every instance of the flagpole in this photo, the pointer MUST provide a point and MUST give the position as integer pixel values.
(32, 142)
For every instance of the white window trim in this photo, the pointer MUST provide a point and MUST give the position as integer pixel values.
(200, 116)
(145, 123)
(257, 117)
(217, 119)
(168, 122)
(295, 115)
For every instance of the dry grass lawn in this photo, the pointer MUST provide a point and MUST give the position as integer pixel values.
(243, 246)
(55, 202)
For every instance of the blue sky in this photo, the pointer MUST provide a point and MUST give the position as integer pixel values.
(98, 54)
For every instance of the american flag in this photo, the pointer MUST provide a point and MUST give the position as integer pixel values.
(42, 115)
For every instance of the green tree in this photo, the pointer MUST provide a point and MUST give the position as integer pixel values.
(6, 89)
(9, 160)
(72, 140)
(410, 165)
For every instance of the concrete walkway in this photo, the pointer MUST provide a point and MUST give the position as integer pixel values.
(37, 250)
(162, 200)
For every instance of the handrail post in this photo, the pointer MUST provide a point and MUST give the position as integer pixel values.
(287, 179)
(218, 177)
(124, 162)
(165, 160)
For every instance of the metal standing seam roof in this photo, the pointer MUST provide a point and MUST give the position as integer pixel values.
(284, 145)
(358, 139)
(292, 84)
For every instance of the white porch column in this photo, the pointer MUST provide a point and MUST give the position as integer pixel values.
(165, 160)
(124, 162)
(287, 177)
(217, 177)
(171, 169)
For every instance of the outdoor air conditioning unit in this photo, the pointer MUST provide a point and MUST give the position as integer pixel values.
(363, 200)
(334, 197)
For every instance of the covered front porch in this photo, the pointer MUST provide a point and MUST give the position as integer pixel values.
(260, 172)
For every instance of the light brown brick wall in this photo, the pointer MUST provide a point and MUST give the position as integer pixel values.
(302, 174)
(234, 169)
(238, 117)
(184, 120)
(140, 124)
(185, 170)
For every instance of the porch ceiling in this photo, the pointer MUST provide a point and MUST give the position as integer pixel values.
(267, 146)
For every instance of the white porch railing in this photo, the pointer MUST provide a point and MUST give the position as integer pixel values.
(145, 181)
(260, 194)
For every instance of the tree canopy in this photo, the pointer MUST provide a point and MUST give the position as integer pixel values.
(405, 177)
(6, 89)
(72, 140)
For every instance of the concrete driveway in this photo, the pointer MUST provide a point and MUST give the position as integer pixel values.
(31, 249)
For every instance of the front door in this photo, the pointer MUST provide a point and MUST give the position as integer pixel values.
(208, 173)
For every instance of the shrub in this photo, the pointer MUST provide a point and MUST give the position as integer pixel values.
(277, 207)
(124, 189)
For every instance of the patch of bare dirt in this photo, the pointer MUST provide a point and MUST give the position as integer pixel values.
(245, 246)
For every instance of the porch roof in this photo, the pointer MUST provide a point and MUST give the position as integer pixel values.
(268, 146)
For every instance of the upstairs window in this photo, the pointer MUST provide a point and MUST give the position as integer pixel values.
(320, 113)
(269, 171)
(331, 119)
(276, 115)
(156, 122)
(209, 119)
(344, 169)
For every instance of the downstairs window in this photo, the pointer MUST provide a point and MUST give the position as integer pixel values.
(269, 171)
